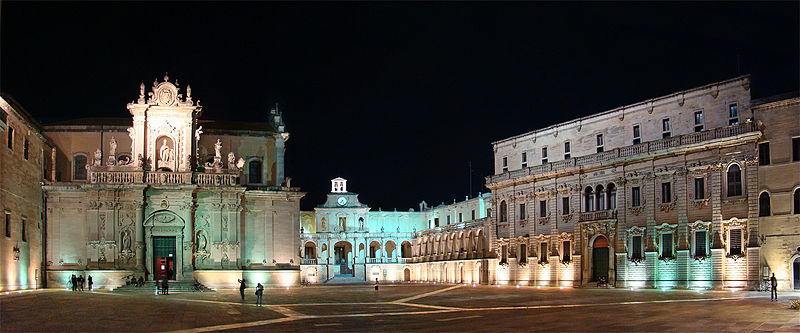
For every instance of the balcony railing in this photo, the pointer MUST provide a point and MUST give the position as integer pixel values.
(450, 227)
(164, 178)
(598, 215)
(618, 154)
(308, 261)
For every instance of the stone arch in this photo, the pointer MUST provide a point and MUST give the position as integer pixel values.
(588, 199)
(374, 249)
(764, 204)
(405, 249)
(164, 216)
(733, 180)
(390, 248)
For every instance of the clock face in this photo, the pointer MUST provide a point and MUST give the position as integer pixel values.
(342, 201)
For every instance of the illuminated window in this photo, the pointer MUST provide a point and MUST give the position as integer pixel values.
(666, 192)
(324, 225)
(699, 188)
(522, 211)
(700, 240)
(637, 135)
(599, 143)
(764, 204)
(79, 167)
(698, 121)
(763, 153)
(665, 128)
(735, 241)
(636, 247)
(734, 181)
(503, 211)
(567, 153)
(254, 172)
(733, 114)
(635, 196)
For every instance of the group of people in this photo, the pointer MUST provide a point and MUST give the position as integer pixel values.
(259, 292)
(134, 281)
(78, 282)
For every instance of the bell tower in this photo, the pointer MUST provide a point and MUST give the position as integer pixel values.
(164, 124)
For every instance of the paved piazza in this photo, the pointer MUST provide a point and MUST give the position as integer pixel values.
(414, 307)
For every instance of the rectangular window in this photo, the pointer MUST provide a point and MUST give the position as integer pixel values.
(637, 135)
(544, 155)
(795, 149)
(636, 247)
(665, 129)
(542, 208)
(522, 211)
(698, 121)
(566, 257)
(24, 233)
(699, 188)
(504, 256)
(448, 219)
(25, 148)
(599, 143)
(565, 205)
(10, 138)
(8, 224)
(733, 114)
(666, 192)
(523, 253)
(567, 151)
(736, 241)
(460, 218)
(436, 222)
(666, 245)
(473, 214)
(635, 196)
(505, 163)
(524, 160)
(763, 153)
(700, 243)
(543, 255)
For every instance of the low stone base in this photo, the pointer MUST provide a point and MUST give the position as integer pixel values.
(229, 278)
(102, 279)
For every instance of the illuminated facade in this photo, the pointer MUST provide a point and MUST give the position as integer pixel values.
(166, 194)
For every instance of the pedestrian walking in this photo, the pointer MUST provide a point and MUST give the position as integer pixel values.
(376, 285)
(74, 282)
(81, 281)
(89, 279)
(242, 286)
(259, 294)
(773, 282)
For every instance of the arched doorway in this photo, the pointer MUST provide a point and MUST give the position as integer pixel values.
(600, 258)
(796, 269)
(407, 275)
(342, 251)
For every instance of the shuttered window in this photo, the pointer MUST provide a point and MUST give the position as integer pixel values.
(700, 243)
(736, 241)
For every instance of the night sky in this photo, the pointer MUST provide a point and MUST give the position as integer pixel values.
(395, 97)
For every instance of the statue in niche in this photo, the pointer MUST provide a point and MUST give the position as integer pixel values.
(231, 160)
(98, 157)
(132, 135)
(202, 241)
(125, 238)
(165, 154)
(113, 144)
(218, 150)
(141, 161)
(360, 224)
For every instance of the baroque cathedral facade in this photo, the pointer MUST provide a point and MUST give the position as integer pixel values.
(696, 189)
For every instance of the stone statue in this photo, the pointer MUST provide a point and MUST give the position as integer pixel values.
(197, 133)
(98, 157)
(202, 241)
(141, 161)
(141, 90)
(231, 161)
(240, 163)
(126, 241)
(113, 145)
(218, 150)
(360, 224)
(165, 152)
(132, 135)
(188, 92)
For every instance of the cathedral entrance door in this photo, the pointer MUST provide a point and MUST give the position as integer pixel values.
(600, 258)
(796, 266)
(164, 257)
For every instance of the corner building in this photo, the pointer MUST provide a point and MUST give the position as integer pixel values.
(661, 193)
(168, 195)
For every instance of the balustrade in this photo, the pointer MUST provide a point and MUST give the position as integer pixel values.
(308, 261)
(598, 215)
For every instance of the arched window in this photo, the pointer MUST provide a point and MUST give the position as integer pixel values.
(763, 204)
(503, 211)
(612, 196)
(734, 181)
(797, 201)
(600, 195)
(79, 167)
(324, 225)
(254, 172)
(588, 199)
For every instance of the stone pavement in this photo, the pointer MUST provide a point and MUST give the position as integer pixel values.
(412, 307)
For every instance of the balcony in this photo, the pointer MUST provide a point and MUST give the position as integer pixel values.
(598, 215)
(162, 178)
(451, 227)
(620, 154)
(308, 261)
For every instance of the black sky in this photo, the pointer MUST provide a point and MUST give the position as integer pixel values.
(395, 97)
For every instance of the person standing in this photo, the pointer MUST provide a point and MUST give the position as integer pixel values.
(259, 294)
(74, 282)
(773, 296)
(89, 279)
(81, 281)
(376, 285)
(242, 286)
(165, 286)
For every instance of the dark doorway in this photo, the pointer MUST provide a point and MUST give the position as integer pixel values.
(164, 257)
(796, 273)
(600, 258)
(407, 275)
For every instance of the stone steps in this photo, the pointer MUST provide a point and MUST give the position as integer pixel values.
(174, 286)
(345, 279)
